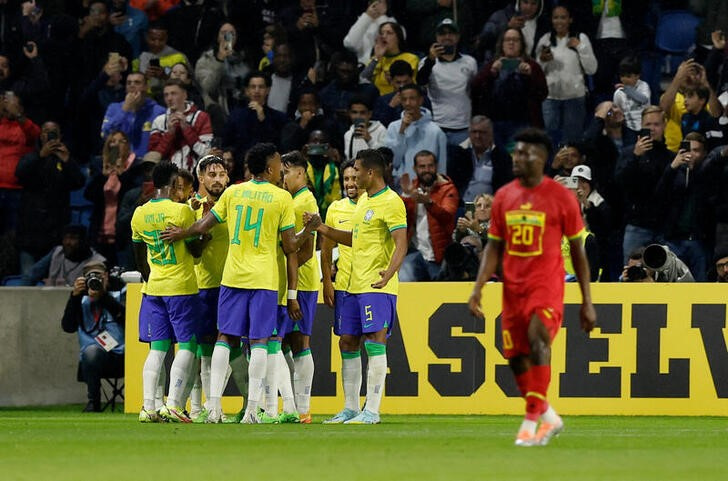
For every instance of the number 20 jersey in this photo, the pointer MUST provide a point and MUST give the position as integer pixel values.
(255, 212)
(531, 222)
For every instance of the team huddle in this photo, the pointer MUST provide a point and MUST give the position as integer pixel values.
(231, 275)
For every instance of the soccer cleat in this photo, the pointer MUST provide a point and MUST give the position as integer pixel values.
(149, 417)
(289, 418)
(195, 413)
(201, 417)
(304, 418)
(212, 416)
(235, 418)
(174, 414)
(265, 419)
(342, 417)
(526, 439)
(364, 417)
(250, 418)
(547, 431)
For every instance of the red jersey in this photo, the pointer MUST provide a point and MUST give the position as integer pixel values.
(531, 222)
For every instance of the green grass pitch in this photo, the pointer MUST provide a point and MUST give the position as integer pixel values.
(63, 444)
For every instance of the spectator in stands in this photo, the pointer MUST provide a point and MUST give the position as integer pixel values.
(447, 74)
(363, 34)
(220, 72)
(47, 175)
(569, 155)
(182, 72)
(638, 172)
(364, 132)
(721, 265)
(183, 133)
(390, 46)
(565, 56)
(309, 116)
(683, 192)
(479, 166)
(105, 190)
(133, 116)
(461, 260)
(96, 313)
(64, 263)
(716, 69)
(632, 95)
(431, 201)
(523, 15)
(285, 84)
(690, 74)
(253, 121)
(414, 132)
(154, 9)
(322, 171)
(193, 25)
(28, 79)
(19, 135)
(430, 14)
(130, 22)
(156, 62)
(475, 222)
(697, 118)
(510, 88)
(388, 108)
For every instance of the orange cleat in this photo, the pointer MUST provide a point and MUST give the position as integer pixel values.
(305, 418)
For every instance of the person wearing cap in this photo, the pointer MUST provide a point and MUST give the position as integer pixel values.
(430, 13)
(447, 74)
(96, 314)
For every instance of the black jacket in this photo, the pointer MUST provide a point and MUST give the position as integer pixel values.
(460, 167)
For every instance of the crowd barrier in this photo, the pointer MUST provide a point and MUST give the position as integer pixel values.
(658, 349)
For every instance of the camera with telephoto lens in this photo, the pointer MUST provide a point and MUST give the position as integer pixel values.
(636, 273)
(94, 281)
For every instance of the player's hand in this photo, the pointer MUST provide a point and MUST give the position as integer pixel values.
(79, 286)
(311, 220)
(382, 283)
(588, 317)
(195, 203)
(294, 310)
(259, 112)
(329, 294)
(207, 206)
(172, 234)
(474, 303)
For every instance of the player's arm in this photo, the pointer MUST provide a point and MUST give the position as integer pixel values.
(399, 236)
(140, 258)
(587, 314)
(488, 265)
(294, 310)
(313, 222)
(173, 233)
(305, 249)
(327, 248)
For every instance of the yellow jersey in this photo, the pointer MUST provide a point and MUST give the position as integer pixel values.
(372, 246)
(309, 275)
(339, 217)
(172, 271)
(282, 276)
(211, 263)
(255, 212)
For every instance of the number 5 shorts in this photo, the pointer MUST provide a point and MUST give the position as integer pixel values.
(366, 313)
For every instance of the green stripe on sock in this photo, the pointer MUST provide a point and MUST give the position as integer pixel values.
(350, 354)
(305, 352)
(259, 346)
(274, 347)
(162, 345)
(375, 349)
(223, 344)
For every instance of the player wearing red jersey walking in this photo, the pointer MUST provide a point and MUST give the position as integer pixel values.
(530, 216)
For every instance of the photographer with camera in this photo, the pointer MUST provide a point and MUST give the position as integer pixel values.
(655, 263)
(95, 311)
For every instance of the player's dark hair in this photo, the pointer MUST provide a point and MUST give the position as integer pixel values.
(206, 162)
(163, 174)
(294, 158)
(186, 175)
(532, 135)
(400, 67)
(258, 156)
(371, 159)
(349, 164)
(387, 155)
(257, 74)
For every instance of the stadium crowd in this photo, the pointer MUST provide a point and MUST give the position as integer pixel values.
(96, 92)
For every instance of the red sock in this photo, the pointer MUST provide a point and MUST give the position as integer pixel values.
(538, 385)
(522, 381)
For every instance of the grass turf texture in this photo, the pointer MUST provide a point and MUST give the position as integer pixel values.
(63, 444)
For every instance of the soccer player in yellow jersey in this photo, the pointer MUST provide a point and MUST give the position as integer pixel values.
(298, 335)
(257, 214)
(378, 240)
(171, 306)
(338, 216)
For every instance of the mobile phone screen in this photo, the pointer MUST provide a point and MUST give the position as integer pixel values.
(510, 64)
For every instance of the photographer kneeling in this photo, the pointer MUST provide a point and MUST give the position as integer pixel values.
(655, 263)
(96, 313)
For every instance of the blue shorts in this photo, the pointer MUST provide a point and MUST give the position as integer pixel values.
(283, 324)
(307, 300)
(339, 300)
(169, 317)
(367, 313)
(208, 305)
(247, 313)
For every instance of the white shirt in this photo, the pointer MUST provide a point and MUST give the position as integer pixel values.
(609, 27)
(421, 240)
(564, 74)
(280, 92)
(449, 91)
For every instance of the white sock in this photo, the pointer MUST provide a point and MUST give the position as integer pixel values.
(256, 375)
(161, 386)
(205, 367)
(551, 416)
(351, 379)
(528, 425)
(239, 370)
(179, 373)
(284, 383)
(150, 376)
(376, 374)
(218, 368)
(192, 390)
(302, 380)
(270, 385)
(288, 356)
(196, 395)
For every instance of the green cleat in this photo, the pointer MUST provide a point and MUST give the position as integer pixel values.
(263, 418)
(149, 417)
(201, 417)
(174, 414)
(342, 417)
(235, 418)
(289, 418)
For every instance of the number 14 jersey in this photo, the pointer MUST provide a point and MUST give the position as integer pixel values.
(255, 212)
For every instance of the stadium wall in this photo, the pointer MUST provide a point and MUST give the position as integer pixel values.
(38, 361)
(659, 349)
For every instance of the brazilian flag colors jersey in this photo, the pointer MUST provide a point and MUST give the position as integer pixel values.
(172, 271)
(309, 275)
(209, 268)
(372, 246)
(339, 216)
(255, 212)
